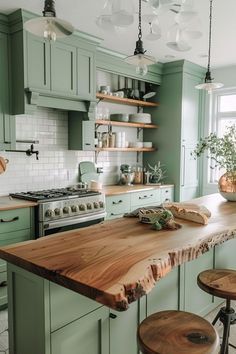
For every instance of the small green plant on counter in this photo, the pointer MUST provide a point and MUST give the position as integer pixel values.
(222, 151)
(157, 172)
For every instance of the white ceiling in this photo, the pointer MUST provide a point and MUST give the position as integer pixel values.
(82, 14)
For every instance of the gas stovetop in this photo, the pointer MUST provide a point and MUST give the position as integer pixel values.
(55, 194)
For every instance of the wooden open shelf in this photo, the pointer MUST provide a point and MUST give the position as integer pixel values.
(125, 124)
(126, 149)
(127, 101)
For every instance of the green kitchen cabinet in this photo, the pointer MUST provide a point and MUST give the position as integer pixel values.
(165, 295)
(15, 226)
(90, 334)
(86, 65)
(63, 68)
(193, 299)
(178, 118)
(123, 330)
(7, 122)
(225, 255)
(38, 62)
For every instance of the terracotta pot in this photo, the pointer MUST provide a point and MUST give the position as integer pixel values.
(227, 186)
(3, 164)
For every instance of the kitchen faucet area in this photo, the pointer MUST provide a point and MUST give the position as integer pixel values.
(117, 177)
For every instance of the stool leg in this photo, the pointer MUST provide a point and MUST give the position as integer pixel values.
(224, 345)
(216, 318)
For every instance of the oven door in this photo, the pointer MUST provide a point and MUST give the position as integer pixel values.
(53, 227)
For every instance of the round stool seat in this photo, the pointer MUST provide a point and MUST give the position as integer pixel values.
(218, 282)
(177, 332)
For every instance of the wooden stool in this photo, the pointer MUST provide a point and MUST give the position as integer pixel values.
(221, 283)
(177, 332)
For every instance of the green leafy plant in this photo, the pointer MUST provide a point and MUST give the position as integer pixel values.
(221, 150)
(158, 172)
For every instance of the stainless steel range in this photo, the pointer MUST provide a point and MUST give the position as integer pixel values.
(65, 209)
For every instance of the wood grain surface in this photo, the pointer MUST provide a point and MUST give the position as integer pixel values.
(219, 282)
(116, 190)
(118, 261)
(8, 203)
(178, 332)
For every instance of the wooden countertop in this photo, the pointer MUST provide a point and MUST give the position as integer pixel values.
(116, 189)
(8, 203)
(118, 261)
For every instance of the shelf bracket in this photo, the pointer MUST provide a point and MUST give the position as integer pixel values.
(96, 156)
(138, 132)
(138, 156)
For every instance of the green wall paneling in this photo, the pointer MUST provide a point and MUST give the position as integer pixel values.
(165, 295)
(193, 298)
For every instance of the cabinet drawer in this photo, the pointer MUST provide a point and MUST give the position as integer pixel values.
(3, 288)
(76, 306)
(149, 197)
(13, 220)
(119, 204)
(167, 195)
(9, 238)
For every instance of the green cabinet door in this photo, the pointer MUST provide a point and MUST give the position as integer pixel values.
(38, 62)
(63, 68)
(165, 295)
(123, 329)
(193, 298)
(7, 122)
(225, 255)
(88, 335)
(86, 74)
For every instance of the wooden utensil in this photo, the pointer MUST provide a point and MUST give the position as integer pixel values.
(3, 164)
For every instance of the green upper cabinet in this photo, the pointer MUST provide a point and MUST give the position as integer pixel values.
(7, 122)
(178, 120)
(63, 68)
(38, 62)
(55, 75)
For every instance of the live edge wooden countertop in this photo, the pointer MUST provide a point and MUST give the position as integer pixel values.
(119, 189)
(8, 203)
(118, 261)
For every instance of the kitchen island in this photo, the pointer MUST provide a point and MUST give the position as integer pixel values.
(54, 281)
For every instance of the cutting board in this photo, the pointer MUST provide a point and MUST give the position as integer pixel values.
(87, 167)
(88, 177)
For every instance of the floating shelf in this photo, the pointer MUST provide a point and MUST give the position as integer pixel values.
(125, 124)
(127, 149)
(127, 101)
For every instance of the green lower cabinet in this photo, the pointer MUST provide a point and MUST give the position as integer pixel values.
(225, 255)
(193, 298)
(3, 289)
(87, 335)
(123, 330)
(165, 295)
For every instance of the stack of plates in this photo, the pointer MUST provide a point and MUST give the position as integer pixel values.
(140, 118)
(120, 117)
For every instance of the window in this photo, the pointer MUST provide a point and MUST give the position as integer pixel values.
(222, 112)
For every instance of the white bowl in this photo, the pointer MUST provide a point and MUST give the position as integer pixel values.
(147, 144)
(140, 118)
(139, 144)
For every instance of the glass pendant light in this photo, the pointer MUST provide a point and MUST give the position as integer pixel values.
(209, 85)
(49, 26)
(140, 59)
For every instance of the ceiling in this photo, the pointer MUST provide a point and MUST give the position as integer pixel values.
(82, 14)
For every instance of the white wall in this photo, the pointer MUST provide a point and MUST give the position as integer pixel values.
(226, 75)
(56, 167)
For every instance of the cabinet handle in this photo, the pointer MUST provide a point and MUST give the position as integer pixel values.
(116, 203)
(87, 144)
(167, 200)
(112, 316)
(113, 214)
(10, 220)
(146, 197)
(3, 284)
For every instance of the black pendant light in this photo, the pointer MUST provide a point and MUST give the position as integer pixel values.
(208, 84)
(140, 59)
(49, 26)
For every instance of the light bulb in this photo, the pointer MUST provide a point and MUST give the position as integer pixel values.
(49, 32)
(141, 69)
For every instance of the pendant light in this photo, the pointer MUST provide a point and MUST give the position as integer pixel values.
(49, 26)
(209, 85)
(140, 59)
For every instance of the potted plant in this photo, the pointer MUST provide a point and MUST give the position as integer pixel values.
(222, 152)
(157, 173)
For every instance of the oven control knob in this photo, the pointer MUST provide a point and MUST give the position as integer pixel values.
(74, 208)
(49, 213)
(89, 206)
(82, 207)
(101, 204)
(66, 210)
(57, 211)
(96, 205)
